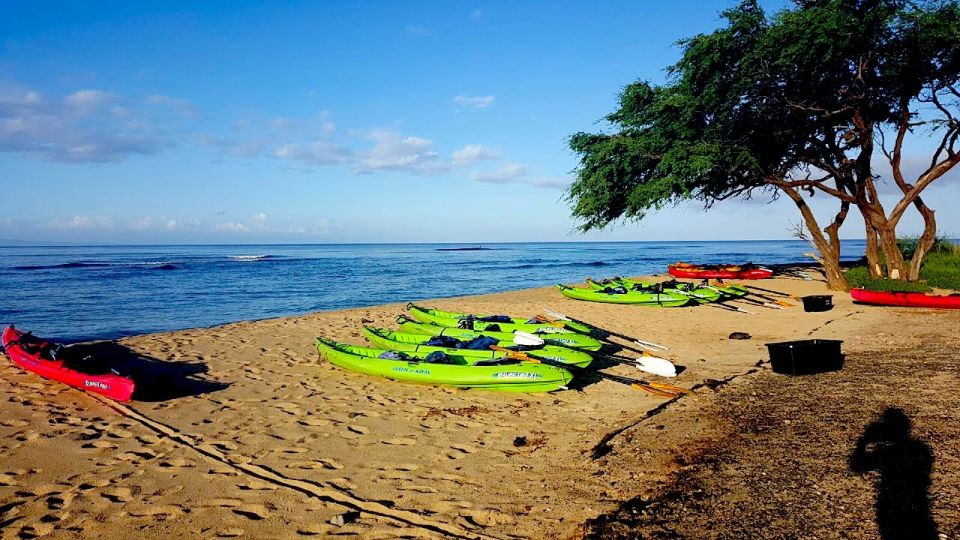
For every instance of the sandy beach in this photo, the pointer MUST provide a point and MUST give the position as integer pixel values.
(244, 431)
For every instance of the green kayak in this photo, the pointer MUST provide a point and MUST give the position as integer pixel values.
(497, 323)
(697, 294)
(463, 372)
(629, 297)
(563, 339)
(402, 341)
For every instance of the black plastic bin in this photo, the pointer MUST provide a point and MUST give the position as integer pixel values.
(805, 356)
(818, 302)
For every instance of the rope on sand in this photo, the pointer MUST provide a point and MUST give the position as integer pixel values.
(323, 492)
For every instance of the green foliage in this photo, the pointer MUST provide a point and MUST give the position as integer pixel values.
(761, 99)
(859, 277)
(941, 269)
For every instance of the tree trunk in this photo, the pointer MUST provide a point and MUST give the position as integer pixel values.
(896, 267)
(873, 252)
(925, 242)
(876, 219)
(829, 252)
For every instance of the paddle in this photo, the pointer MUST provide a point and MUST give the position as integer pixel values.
(777, 301)
(744, 299)
(730, 308)
(657, 389)
(771, 291)
(642, 343)
(648, 362)
(526, 338)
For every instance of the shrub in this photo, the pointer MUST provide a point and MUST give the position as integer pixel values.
(859, 277)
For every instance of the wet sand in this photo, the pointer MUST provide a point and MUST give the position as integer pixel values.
(244, 431)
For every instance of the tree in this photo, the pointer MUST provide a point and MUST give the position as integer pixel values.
(797, 105)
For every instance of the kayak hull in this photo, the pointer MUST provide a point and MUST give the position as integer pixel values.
(507, 377)
(632, 298)
(905, 299)
(695, 293)
(691, 271)
(562, 339)
(516, 324)
(402, 341)
(35, 359)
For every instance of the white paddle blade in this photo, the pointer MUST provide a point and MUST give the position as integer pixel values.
(524, 338)
(649, 345)
(657, 366)
(555, 315)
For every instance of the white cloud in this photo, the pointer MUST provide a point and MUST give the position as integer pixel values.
(182, 105)
(87, 100)
(315, 153)
(86, 126)
(142, 224)
(472, 153)
(81, 222)
(504, 175)
(475, 102)
(231, 226)
(394, 152)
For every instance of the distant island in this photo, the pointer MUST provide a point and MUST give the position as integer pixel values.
(472, 248)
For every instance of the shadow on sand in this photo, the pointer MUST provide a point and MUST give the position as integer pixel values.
(904, 464)
(156, 380)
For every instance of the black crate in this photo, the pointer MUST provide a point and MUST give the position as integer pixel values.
(818, 302)
(805, 356)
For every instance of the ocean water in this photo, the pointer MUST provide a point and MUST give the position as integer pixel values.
(76, 293)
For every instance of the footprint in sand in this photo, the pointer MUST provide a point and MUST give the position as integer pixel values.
(222, 503)
(100, 445)
(159, 510)
(358, 430)
(60, 501)
(343, 483)
(460, 451)
(252, 511)
(229, 446)
(117, 494)
(177, 462)
(400, 441)
(487, 517)
(222, 470)
(313, 422)
(38, 490)
(313, 529)
(8, 479)
(37, 530)
(257, 485)
(94, 483)
(148, 439)
(419, 489)
(394, 475)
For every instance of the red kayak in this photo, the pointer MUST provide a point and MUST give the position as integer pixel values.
(696, 271)
(905, 299)
(39, 356)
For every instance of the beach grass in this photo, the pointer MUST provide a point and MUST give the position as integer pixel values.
(941, 269)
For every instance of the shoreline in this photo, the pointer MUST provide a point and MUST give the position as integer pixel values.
(252, 397)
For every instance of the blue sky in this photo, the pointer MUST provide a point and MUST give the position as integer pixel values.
(236, 122)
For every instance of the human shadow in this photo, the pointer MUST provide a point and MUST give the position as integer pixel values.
(156, 380)
(904, 464)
